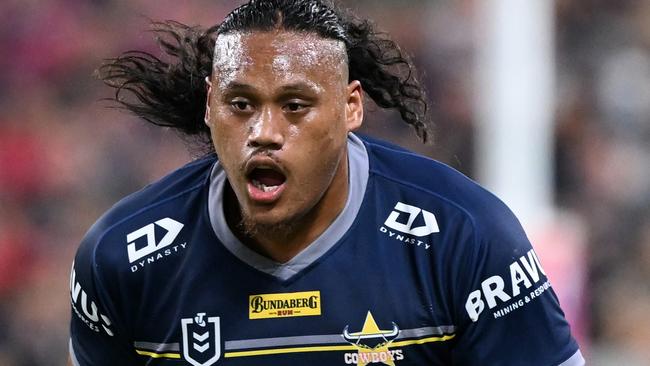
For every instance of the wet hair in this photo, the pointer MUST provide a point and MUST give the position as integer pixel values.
(172, 92)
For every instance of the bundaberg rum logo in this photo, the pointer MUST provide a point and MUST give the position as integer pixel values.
(291, 304)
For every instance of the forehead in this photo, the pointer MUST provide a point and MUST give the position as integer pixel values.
(278, 54)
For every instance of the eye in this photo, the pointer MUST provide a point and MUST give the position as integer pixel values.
(294, 106)
(241, 105)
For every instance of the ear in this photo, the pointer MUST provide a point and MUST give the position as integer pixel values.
(354, 106)
(206, 118)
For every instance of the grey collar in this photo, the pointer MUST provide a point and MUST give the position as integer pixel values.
(358, 162)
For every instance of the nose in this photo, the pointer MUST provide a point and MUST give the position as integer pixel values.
(267, 130)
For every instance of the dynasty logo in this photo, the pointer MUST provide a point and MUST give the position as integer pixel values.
(153, 250)
(372, 344)
(284, 305)
(410, 225)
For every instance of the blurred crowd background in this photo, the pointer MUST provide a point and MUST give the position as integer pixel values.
(65, 157)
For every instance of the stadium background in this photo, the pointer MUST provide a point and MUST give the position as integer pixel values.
(65, 158)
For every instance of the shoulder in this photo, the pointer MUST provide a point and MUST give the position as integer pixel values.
(190, 177)
(135, 227)
(442, 187)
(162, 201)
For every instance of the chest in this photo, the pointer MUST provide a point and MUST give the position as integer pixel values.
(362, 303)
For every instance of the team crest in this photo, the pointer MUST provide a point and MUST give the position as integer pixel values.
(201, 340)
(373, 344)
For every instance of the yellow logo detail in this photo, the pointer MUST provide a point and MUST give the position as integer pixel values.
(373, 344)
(291, 304)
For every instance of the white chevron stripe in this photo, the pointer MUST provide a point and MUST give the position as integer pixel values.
(201, 337)
(202, 348)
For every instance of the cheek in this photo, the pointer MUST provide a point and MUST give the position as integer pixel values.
(228, 139)
(328, 125)
(320, 147)
(218, 138)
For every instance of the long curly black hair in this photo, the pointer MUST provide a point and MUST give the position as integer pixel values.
(172, 93)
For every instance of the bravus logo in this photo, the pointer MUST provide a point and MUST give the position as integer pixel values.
(524, 281)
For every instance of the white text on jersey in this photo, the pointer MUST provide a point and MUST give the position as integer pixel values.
(526, 270)
(430, 223)
(173, 227)
(89, 313)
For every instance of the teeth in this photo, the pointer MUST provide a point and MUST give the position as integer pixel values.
(264, 187)
(269, 188)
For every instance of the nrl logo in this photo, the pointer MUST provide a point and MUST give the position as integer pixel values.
(201, 340)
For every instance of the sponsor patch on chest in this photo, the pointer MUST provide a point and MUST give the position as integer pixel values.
(282, 305)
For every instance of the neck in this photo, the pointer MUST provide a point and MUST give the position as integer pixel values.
(282, 242)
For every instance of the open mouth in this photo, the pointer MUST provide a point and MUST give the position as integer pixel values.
(265, 184)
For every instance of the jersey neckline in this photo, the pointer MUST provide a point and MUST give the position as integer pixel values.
(358, 179)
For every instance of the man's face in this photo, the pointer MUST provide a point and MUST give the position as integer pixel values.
(279, 109)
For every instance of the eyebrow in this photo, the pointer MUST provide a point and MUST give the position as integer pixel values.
(289, 88)
(300, 87)
(234, 85)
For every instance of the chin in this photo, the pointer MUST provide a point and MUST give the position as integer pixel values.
(256, 225)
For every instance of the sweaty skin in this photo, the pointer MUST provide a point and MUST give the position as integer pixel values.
(281, 100)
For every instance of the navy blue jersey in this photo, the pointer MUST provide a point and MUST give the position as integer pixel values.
(422, 267)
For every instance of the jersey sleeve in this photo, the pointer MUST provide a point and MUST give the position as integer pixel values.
(96, 337)
(507, 310)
